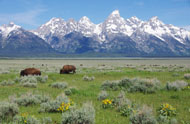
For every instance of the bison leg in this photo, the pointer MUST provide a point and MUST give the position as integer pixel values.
(66, 72)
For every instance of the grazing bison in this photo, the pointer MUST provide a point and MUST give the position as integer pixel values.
(30, 71)
(67, 69)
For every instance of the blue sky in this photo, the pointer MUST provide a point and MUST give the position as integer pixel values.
(30, 14)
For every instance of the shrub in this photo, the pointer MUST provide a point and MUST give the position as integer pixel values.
(165, 120)
(32, 79)
(28, 79)
(123, 105)
(133, 85)
(4, 72)
(110, 85)
(31, 85)
(30, 99)
(176, 85)
(121, 101)
(86, 78)
(25, 118)
(7, 83)
(53, 105)
(8, 110)
(59, 85)
(173, 121)
(32, 120)
(17, 79)
(70, 91)
(144, 85)
(42, 79)
(84, 115)
(17, 120)
(143, 115)
(47, 120)
(103, 95)
(125, 83)
(126, 110)
(167, 110)
(187, 76)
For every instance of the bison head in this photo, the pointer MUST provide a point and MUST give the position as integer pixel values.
(22, 73)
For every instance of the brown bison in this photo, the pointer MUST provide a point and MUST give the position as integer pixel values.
(30, 71)
(67, 69)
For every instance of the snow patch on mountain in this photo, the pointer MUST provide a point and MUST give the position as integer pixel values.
(87, 28)
(116, 24)
(6, 29)
(156, 27)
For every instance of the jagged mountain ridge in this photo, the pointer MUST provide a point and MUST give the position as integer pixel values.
(15, 41)
(148, 36)
(130, 37)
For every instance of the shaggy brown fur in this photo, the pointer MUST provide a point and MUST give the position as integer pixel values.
(67, 69)
(30, 71)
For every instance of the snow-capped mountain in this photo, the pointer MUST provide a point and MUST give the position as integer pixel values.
(6, 29)
(147, 37)
(87, 28)
(156, 27)
(14, 40)
(115, 24)
(116, 35)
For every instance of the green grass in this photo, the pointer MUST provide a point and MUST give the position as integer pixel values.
(88, 91)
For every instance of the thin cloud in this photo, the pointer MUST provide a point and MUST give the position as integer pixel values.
(28, 17)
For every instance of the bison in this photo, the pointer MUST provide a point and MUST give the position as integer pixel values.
(30, 71)
(67, 69)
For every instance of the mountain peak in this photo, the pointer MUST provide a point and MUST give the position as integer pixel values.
(6, 29)
(71, 20)
(84, 19)
(115, 13)
(53, 20)
(154, 18)
(56, 19)
(135, 18)
(11, 23)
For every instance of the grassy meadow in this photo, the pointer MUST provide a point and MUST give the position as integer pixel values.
(165, 70)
